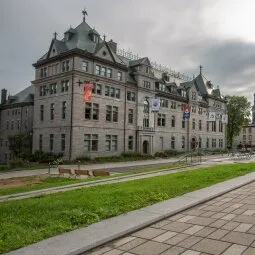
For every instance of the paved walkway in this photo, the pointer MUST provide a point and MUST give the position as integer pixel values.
(207, 221)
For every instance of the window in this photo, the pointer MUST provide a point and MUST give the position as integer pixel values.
(43, 72)
(1, 142)
(63, 142)
(7, 125)
(103, 71)
(145, 122)
(173, 121)
(207, 142)
(173, 105)
(112, 92)
(193, 95)
(214, 126)
(161, 120)
(163, 103)
(146, 84)
(98, 69)
(220, 126)
(172, 142)
(183, 93)
(213, 143)
(193, 124)
(249, 130)
(18, 124)
(109, 73)
(25, 124)
(6, 144)
(200, 142)
(130, 116)
(41, 112)
(200, 125)
(244, 130)
(64, 86)
(51, 142)
(220, 143)
(244, 137)
(111, 113)
(85, 66)
(120, 76)
(207, 126)
(65, 66)
(43, 90)
(147, 69)
(97, 89)
(91, 111)
(26, 111)
(183, 123)
(8, 113)
(52, 106)
(146, 106)
(53, 88)
(131, 96)
(63, 110)
(161, 87)
(183, 142)
(200, 110)
(91, 142)
(111, 142)
(130, 142)
(12, 125)
(194, 109)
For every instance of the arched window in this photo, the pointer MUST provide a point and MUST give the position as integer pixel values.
(172, 142)
(199, 142)
(183, 141)
(146, 106)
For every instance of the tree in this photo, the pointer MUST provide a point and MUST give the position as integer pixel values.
(239, 109)
(20, 143)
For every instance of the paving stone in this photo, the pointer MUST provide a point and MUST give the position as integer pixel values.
(205, 232)
(194, 212)
(114, 252)
(190, 241)
(177, 226)
(245, 219)
(212, 208)
(185, 218)
(235, 249)
(218, 234)
(218, 215)
(150, 248)
(176, 239)
(99, 251)
(249, 251)
(130, 245)
(249, 212)
(243, 227)
(230, 225)
(211, 246)
(239, 238)
(194, 229)
(175, 217)
(239, 211)
(252, 230)
(204, 221)
(236, 206)
(173, 251)
(218, 223)
(160, 224)
(122, 241)
(229, 216)
(190, 252)
(167, 235)
(148, 233)
(208, 214)
(127, 253)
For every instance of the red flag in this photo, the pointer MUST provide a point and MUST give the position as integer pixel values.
(88, 91)
(187, 108)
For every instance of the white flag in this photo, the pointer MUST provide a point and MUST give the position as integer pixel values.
(211, 116)
(155, 104)
(225, 119)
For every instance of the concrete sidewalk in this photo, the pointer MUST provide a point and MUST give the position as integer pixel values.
(82, 240)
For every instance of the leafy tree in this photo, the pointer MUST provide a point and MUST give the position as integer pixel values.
(239, 109)
(20, 143)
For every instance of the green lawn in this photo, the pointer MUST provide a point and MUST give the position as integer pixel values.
(23, 222)
(51, 182)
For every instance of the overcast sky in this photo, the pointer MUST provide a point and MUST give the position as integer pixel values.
(181, 34)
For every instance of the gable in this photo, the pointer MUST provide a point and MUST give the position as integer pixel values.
(53, 51)
(105, 53)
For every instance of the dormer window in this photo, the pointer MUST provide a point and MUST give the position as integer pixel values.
(95, 38)
(147, 69)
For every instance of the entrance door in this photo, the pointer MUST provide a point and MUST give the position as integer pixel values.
(193, 143)
(145, 147)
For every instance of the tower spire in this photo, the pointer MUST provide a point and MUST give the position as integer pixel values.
(84, 13)
(200, 67)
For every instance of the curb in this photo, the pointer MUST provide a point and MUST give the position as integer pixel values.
(84, 239)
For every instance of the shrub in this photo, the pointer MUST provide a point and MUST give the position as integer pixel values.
(16, 163)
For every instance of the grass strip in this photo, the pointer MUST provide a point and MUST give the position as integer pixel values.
(31, 220)
(51, 182)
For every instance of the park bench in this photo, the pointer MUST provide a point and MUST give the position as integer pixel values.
(100, 173)
(63, 171)
(79, 172)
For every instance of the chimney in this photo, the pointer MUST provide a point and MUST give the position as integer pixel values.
(3, 96)
(113, 45)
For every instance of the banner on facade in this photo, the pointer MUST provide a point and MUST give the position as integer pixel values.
(88, 91)
(225, 119)
(155, 104)
(212, 116)
(186, 114)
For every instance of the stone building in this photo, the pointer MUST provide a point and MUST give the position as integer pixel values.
(16, 117)
(119, 117)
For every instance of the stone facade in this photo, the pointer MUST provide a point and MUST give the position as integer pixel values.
(118, 118)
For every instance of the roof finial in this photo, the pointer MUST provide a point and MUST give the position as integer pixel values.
(104, 37)
(84, 13)
(55, 35)
(200, 67)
